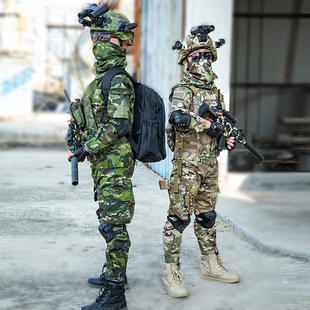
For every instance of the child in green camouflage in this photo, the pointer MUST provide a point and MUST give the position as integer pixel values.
(110, 154)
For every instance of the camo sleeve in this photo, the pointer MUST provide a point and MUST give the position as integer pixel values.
(182, 100)
(120, 105)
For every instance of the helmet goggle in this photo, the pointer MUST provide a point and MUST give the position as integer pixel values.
(198, 55)
(102, 36)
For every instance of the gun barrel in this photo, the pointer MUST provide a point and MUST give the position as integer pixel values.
(74, 171)
(257, 154)
(67, 96)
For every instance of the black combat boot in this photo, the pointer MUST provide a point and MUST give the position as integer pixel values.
(102, 281)
(111, 297)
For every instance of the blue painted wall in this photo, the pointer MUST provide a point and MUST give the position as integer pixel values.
(160, 27)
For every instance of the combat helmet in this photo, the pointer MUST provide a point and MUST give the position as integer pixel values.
(198, 38)
(101, 19)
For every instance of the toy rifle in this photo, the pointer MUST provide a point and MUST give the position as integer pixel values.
(73, 143)
(228, 120)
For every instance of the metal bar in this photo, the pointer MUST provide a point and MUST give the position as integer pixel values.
(295, 120)
(183, 18)
(234, 71)
(292, 39)
(272, 85)
(247, 61)
(288, 65)
(272, 15)
(136, 46)
(260, 61)
(64, 26)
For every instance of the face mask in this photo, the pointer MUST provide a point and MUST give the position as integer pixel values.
(108, 55)
(202, 70)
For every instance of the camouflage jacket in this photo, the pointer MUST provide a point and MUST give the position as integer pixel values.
(99, 132)
(198, 146)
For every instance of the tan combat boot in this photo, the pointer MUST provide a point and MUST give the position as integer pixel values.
(173, 282)
(212, 269)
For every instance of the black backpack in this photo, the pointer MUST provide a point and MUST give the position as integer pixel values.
(148, 131)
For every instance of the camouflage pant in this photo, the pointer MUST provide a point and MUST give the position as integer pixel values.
(116, 206)
(197, 192)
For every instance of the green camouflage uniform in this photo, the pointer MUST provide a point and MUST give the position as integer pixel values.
(111, 159)
(112, 165)
(193, 186)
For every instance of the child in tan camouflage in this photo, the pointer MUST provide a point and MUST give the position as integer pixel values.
(193, 186)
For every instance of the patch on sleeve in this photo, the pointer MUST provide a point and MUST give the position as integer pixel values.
(179, 94)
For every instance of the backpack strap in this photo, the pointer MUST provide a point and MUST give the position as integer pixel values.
(105, 87)
(193, 89)
(106, 80)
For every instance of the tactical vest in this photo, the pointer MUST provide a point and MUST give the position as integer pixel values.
(189, 144)
(95, 114)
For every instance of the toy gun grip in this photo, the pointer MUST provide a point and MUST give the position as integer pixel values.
(221, 143)
(258, 155)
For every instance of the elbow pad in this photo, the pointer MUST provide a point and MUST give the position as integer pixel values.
(123, 127)
(180, 119)
(215, 130)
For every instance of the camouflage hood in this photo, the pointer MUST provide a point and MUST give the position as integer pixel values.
(108, 55)
(200, 74)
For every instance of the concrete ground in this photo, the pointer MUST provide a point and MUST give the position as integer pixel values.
(50, 245)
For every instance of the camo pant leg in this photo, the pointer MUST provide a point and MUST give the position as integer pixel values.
(116, 206)
(172, 238)
(206, 238)
(205, 202)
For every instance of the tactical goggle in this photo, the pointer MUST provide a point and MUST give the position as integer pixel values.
(102, 36)
(198, 55)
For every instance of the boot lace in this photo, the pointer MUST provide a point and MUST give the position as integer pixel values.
(177, 277)
(220, 261)
(103, 272)
(104, 294)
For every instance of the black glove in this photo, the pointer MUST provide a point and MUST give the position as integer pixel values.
(215, 129)
(81, 153)
(231, 147)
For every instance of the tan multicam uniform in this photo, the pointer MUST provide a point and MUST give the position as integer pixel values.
(194, 179)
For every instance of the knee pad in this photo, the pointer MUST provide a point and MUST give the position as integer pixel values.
(177, 223)
(108, 231)
(207, 219)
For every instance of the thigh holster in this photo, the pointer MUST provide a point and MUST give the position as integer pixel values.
(183, 144)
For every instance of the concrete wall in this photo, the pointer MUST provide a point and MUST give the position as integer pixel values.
(161, 25)
(15, 89)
